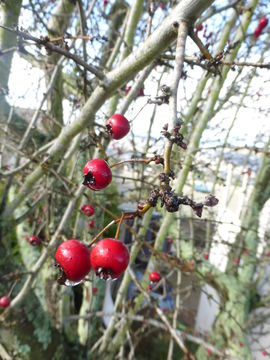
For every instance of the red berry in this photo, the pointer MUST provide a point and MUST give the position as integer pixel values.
(209, 352)
(34, 240)
(264, 353)
(241, 344)
(236, 260)
(105, 2)
(4, 301)
(127, 89)
(257, 32)
(154, 277)
(246, 251)
(97, 174)
(206, 256)
(109, 258)
(191, 264)
(73, 258)
(88, 210)
(117, 126)
(91, 224)
(263, 22)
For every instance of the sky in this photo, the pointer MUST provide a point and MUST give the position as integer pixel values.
(27, 85)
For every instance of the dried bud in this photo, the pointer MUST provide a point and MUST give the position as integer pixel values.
(198, 208)
(153, 198)
(210, 200)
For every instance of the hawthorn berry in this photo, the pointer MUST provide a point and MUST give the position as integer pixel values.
(5, 301)
(88, 210)
(109, 258)
(263, 22)
(97, 174)
(154, 277)
(91, 224)
(72, 257)
(34, 240)
(257, 32)
(117, 126)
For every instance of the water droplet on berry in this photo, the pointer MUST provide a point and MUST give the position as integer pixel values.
(72, 283)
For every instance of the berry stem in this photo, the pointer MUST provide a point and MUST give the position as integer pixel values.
(119, 226)
(146, 161)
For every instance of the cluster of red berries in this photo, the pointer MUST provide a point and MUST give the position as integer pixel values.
(88, 210)
(109, 258)
(262, 24)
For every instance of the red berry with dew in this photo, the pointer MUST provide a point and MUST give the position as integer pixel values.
(109, 258)
(73, 260)
(97, 174)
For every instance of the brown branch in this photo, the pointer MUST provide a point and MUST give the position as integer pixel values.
(49, 46)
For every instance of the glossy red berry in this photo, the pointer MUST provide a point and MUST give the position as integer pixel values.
(5, 301)
(97, 174)
(206, 256)
(154, 277)
(117, 126)
(73, 258)
(88, 210)
(109, 258)
(34, 240)
(91, 224)
(263, 22)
